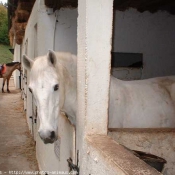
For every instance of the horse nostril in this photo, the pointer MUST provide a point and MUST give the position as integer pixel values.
(52, 135)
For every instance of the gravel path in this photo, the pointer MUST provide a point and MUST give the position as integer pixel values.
(17, 148)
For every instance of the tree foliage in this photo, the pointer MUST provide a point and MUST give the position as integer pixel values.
(4, 39)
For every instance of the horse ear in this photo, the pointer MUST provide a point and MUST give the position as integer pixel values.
(27, 62)
(52, 57)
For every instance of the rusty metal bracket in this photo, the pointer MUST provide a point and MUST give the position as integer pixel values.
(72, 166)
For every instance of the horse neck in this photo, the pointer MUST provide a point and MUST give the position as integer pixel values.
(70, 104)
(16, 67)
(69, 91)
(12, 68)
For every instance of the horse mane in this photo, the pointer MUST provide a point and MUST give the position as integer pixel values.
(66, 66)
(68, 62)
(12, 64)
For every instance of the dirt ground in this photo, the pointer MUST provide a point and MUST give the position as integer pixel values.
(17, 148)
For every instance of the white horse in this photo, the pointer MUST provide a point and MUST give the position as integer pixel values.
(141, 104)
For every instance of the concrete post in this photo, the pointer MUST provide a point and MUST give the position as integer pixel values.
(94, 54)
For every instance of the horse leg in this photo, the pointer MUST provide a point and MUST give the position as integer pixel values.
(8, 84)
(3, 85)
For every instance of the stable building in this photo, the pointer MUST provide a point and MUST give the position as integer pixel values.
(132, 40)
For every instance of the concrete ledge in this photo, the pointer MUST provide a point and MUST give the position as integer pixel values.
(147, 130)
(115, 156)
(158, 141)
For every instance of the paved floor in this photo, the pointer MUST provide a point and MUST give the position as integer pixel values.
(17, 149)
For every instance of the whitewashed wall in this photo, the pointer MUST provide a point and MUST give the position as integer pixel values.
(16, 73)
(150, 34)
(57, 31)
(66, 31)
(28, 49)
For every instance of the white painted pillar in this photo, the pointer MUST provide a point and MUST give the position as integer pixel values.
(94, 54)
(16, 57)
(45, 29)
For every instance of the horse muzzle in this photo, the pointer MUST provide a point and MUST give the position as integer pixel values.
(48, 137)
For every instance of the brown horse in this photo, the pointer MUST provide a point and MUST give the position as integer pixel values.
(6, 72)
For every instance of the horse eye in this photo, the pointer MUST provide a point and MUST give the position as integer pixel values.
(56, 87)
(30, 90)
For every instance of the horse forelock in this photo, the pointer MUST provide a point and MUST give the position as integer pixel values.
(39, 66)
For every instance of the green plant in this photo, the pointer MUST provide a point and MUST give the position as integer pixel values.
(5, 55)
(4, 39)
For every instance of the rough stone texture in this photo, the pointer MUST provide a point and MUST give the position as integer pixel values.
(17, 149)
(160, 142)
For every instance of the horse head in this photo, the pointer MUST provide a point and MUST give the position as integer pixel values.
(45, 86)
(18, 66)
